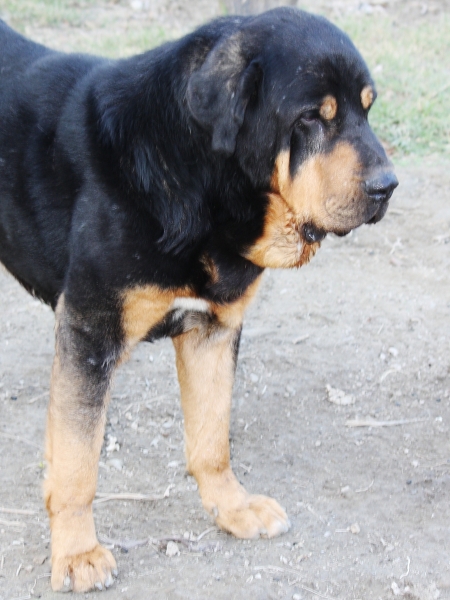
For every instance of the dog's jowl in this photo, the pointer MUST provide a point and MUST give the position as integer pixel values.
(144, 197)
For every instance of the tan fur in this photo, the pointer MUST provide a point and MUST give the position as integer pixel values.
(324, 189)
(211, 268)
(281, 244)
(329, 107)
(231, 315)
(367, 97)
(205, 365)
(322, 192)
(72, 454)
(205, 362)
(142, 308)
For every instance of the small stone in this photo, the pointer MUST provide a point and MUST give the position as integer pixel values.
(393, 351)
(355, 528)
(116, 463)
(112, 444)
(396, 590)
(444, 583)
(339, 397)
(254, 378)
(172, 549)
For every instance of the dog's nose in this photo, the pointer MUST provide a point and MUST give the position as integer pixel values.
(380, 188)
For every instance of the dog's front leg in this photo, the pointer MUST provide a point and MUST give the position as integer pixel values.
(75, 429)
(206, 365)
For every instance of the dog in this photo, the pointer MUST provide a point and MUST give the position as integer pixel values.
(144, 197)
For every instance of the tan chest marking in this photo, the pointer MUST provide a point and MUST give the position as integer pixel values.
(144, 307)
(281, 245)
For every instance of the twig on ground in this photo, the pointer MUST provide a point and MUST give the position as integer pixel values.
(202, 535)
(407, 569)
(124, 544)
(102, 497)
(365, 489)
(389, 372)
(442, 464)
(374, 423)
(269, 568)
(161, 543)
(38, 397)
(313, 512)
(140, 402)
(19, 439)
(12, 523)
(301, 338)
(17, 511)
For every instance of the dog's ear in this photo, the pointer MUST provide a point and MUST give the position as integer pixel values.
(218, 93)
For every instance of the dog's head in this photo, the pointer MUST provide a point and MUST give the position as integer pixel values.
(288, 95)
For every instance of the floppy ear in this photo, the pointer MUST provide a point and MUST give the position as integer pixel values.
(218, 93)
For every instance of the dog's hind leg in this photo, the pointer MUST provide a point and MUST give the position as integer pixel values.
(75, 429)
(206, 364)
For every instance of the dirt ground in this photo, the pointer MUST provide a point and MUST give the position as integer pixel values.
(369, 504)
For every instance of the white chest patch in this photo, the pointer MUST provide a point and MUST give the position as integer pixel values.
(195, 304)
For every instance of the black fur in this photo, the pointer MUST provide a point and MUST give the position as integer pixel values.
(118, 173)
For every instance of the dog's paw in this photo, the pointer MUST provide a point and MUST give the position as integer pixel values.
(94, 570)
(252, 517)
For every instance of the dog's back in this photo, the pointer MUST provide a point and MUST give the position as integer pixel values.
(37, 183)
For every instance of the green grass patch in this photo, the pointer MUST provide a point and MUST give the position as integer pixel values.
(133, 42)
(45, 13)
(411, 68)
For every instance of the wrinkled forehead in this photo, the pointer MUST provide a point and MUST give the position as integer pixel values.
(306, 79)
(310, 58)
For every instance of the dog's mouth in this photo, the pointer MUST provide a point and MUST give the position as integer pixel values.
(313, 234)
(379, 214)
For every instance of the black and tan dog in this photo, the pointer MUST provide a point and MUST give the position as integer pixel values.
(143, 198)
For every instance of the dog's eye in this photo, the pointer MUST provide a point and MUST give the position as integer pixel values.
(309, 117)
